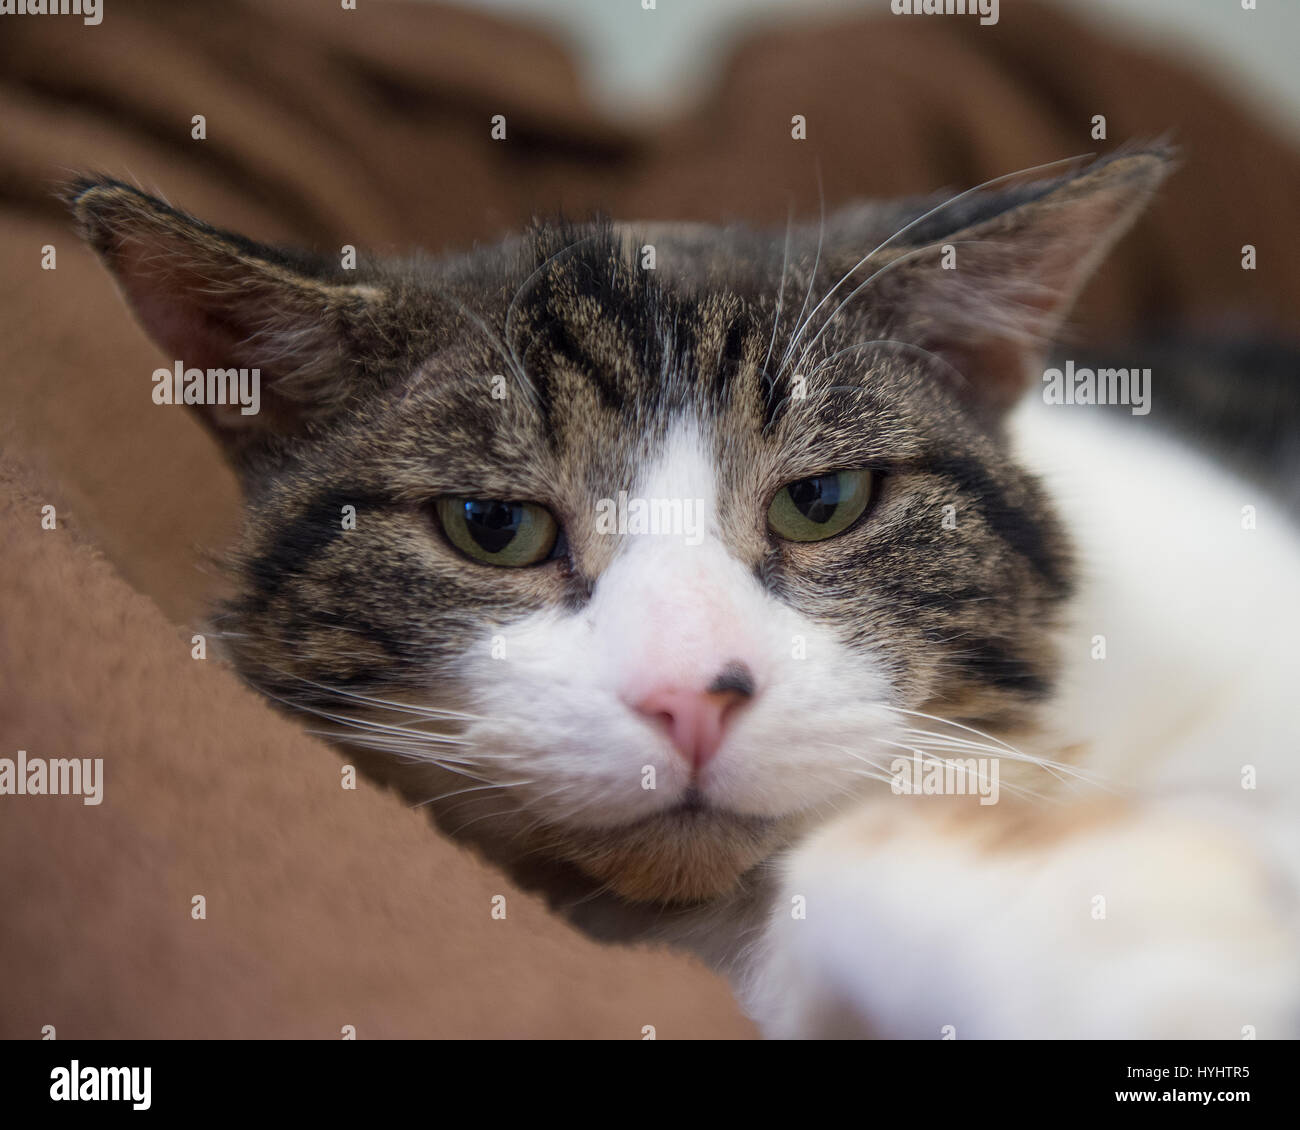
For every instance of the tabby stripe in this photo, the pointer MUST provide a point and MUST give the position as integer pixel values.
(1019, 529)
(303, 537)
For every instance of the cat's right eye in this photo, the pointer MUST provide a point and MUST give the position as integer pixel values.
(494, 532)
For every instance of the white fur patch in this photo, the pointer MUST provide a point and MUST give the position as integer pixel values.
(1198, 877)
(670, 612)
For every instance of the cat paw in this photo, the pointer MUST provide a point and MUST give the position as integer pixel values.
(1142, 927)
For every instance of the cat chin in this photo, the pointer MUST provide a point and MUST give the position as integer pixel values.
(677, 857)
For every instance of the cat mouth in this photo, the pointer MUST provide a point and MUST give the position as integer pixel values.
(692, 801)
(690, 850)
(694, 808)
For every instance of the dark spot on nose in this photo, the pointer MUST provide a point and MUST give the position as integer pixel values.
(734, 678)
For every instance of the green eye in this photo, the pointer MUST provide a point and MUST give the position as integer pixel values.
(510, 534)
(820, 507)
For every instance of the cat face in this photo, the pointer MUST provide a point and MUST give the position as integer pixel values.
(638, 568)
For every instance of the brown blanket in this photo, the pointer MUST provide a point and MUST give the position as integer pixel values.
(371, 127)
(323, 906)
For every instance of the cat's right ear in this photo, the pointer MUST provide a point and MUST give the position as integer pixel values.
(213, 300)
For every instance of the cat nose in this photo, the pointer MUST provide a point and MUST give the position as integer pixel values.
(696, 720)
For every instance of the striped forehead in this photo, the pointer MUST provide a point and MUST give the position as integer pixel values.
(591, 316)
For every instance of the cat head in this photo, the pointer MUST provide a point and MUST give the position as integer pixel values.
(637, 547)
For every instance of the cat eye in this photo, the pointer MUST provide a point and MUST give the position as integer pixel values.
(820, 507)
(510, 534)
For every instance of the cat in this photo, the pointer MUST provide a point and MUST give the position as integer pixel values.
(904, 558)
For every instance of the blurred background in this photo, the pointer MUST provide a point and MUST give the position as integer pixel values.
(302, 122)
(657, 66)
(324, 126)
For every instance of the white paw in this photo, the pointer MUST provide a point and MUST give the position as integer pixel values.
(1138, 928)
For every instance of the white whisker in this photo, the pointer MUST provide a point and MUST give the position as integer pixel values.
(947, 203)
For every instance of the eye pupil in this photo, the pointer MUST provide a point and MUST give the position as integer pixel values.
(816, 498)
(820, 506)
(492, 524)
(495, 532)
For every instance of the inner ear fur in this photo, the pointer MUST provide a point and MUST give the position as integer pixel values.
(988, 297)
(213, 299)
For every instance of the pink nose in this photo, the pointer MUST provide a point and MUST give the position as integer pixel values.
(695, 720)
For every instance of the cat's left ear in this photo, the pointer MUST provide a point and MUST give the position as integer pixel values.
(214, 300)
(989, 295)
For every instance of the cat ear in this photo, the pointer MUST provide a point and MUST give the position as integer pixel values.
(988, 296)
(213, 300)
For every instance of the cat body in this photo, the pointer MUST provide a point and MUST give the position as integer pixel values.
(1157, 895)
(643, 578)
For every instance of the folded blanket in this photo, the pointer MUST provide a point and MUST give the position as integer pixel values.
(323, 906)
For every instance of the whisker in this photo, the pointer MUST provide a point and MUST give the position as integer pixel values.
(504, 348)
(371, 700)
(930, 758)
(830, 321)
(353, 736)
(799, 322)
(913, 223)
(780, 294)
(954, 743)
(884, 341)
(470, 789)
(520, 368)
